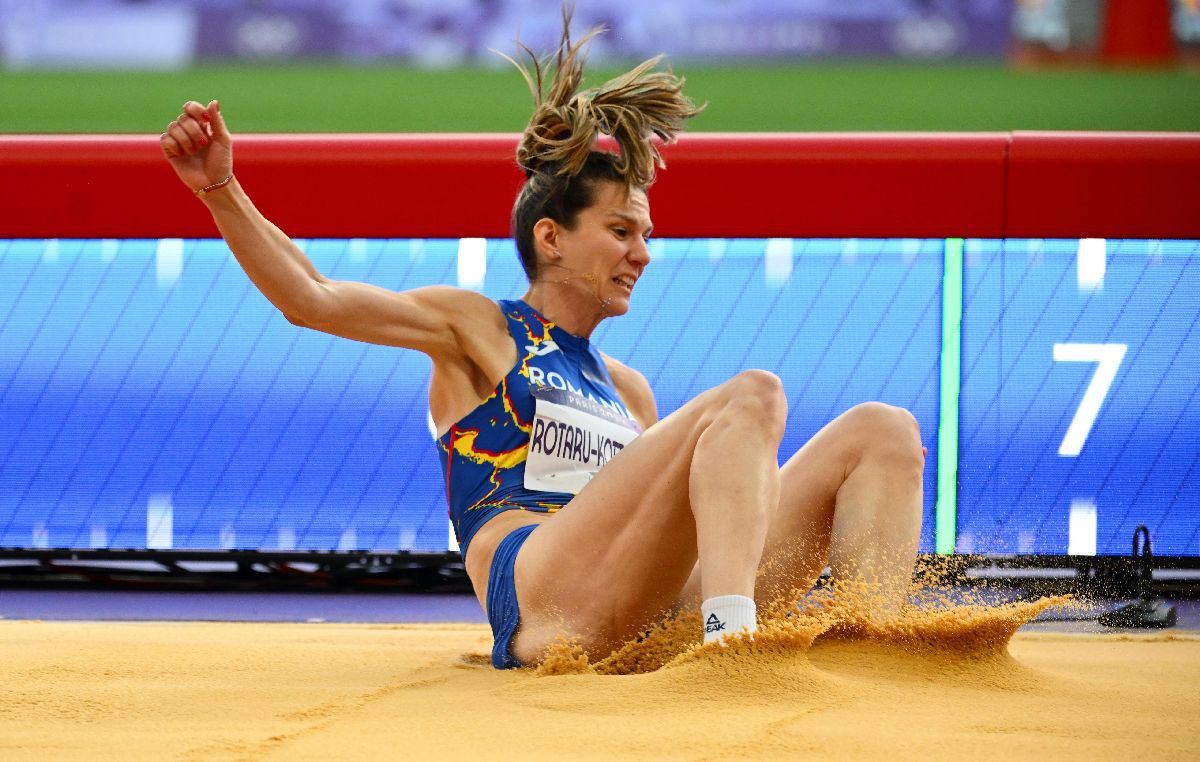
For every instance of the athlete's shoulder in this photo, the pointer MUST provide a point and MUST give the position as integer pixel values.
(634, 389)
(623, 374)
(476, 322)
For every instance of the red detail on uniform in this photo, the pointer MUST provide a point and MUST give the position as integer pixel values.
(510, 405)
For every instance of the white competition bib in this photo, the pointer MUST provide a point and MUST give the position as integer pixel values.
(572, 438)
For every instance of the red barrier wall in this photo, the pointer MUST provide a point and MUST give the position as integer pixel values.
(801, 185)
(1106, 185)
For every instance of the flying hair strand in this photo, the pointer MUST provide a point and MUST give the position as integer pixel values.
(632, 108)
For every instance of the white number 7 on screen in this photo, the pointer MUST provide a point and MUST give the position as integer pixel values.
(1108, 357)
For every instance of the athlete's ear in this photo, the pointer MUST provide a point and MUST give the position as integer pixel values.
(545, 239)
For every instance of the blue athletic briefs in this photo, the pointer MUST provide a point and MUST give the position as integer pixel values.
(502, 610)
(483, 455)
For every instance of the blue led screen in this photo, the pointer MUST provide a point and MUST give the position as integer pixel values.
(1079, 412)
(151, 397)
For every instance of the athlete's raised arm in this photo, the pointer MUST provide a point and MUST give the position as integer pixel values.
(199, 147)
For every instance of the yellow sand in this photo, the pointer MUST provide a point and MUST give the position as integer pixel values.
(953, 685)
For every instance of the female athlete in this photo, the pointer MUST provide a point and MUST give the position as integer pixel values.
(578, 511)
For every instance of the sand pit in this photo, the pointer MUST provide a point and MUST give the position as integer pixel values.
(948, 688)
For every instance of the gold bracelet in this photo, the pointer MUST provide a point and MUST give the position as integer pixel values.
(214, 186)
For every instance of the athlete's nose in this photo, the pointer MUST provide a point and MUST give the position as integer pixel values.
(640, 253)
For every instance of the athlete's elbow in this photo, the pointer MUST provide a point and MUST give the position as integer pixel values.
(296, 320)
(308, 310)
(299, 314)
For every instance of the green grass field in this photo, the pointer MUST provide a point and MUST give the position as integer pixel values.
(811, 97)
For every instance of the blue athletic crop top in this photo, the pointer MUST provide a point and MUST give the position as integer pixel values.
(484, 454)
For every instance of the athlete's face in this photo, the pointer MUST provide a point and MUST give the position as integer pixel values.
(607, 246)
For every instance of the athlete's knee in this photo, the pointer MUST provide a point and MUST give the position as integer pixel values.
(887, 430)
(757, 396)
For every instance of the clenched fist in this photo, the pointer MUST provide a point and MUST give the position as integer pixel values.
(198, 146)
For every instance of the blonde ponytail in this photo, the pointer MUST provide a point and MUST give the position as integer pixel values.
(631, 108)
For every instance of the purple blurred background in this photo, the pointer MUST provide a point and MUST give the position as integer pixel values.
(177, 33)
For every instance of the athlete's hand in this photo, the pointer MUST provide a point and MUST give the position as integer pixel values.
(198, 145)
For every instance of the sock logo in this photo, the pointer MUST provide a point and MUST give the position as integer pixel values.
(713, 624)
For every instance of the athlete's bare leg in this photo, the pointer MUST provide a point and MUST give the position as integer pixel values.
(867, 527)
(617, 556)
(849, 498)
(733, 488)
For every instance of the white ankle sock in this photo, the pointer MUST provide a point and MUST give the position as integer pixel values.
(728, 614)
